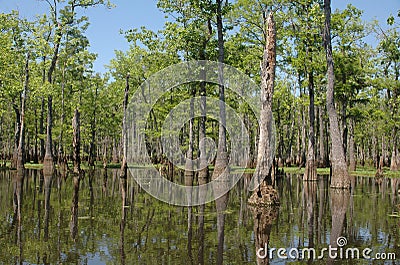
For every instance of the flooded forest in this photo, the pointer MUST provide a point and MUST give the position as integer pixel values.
(240, 132)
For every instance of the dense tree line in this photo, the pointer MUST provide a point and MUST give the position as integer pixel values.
(46, 76)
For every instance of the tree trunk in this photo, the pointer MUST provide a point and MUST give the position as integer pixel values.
(76, 142)
(352, 155)
(60, 142)
(323, 156)
(124, 165)
(16, 136)
(48, 157)
(41, 131)
(303, 139)
(265, 194)
(340, 175)
(21, 144)
(115, 158)
(41, 117)
(36, 150)
(221, 169)
(203, 170)
(92, 146)
(375, 150)
(310, 172)
(344, 128)
(394, 160)
(298, 156)
(189, 155)
(222, 159)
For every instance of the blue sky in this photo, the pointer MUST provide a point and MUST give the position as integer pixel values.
(105, 24)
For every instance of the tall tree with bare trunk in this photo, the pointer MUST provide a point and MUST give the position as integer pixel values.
(76, 142)
(265, 194)
(222, 159)
(21, 144)
(124, 165)
(340, 175)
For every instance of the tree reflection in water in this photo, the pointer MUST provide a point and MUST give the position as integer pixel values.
(263, 218)
(339, 203)
(147, 231)
(76, 179)
(123, 187)
(18, 183)
(310, 194)
(48, 172)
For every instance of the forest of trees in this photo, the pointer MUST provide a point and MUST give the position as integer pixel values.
(47, 79)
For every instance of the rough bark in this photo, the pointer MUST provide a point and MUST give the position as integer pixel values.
(340, 175)
(76, 142)
(266, 194)
(310, 172)
(124, 165)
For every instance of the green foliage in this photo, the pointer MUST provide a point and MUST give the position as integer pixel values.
(367, 82)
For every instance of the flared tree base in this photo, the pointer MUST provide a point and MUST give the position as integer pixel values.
(265, 195)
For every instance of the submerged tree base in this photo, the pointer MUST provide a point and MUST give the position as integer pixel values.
(265, 195)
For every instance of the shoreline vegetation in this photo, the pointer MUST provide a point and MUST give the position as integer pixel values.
(366, 171)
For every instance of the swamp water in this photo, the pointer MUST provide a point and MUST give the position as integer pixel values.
(58, 223)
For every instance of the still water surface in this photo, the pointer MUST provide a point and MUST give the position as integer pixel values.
(62, 223)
